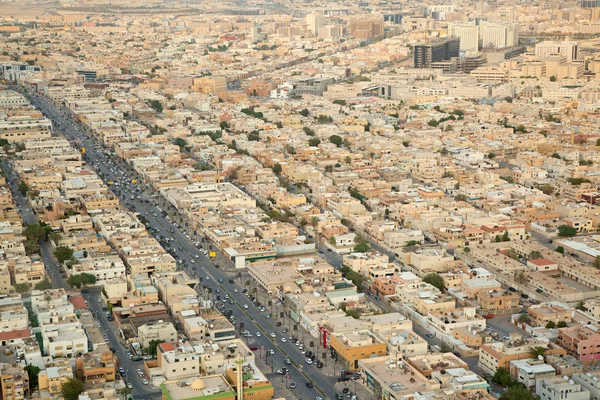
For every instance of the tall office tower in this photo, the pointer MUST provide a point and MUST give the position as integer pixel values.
(498, 35)
(468, 34)
(568, 49)
(366, 29)
(314, 22)
(426, 53)
(590, 3)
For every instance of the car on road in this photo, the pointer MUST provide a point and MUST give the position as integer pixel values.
(129, 385)
(293, 385)
(429, 335)
(318, 398)
(253, 348)
(309, 384)
(246, 306)
(279, 323)
(140, 372)
(308, 361)
(283, 340)
(271, 352)
(288, 361)
(258, 334)
(145, 381)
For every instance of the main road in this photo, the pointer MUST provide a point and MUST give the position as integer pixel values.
(252, 319)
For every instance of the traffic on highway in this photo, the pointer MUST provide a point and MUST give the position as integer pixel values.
(276, 344)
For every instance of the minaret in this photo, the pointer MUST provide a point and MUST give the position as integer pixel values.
(239, 362)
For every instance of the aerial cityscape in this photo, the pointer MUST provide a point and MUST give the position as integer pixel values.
(341, 200)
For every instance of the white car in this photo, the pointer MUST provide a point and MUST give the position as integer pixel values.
(246, 306)
(273, 335)
(308, 361)
(258, 334)
(283, 340)
(145, 381)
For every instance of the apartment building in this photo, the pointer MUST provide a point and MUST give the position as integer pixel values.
(500, 354)
(177, 360)
(354, 346)
(20, 128)
(14, 382)
(581, 341)
(559, 388)
(530, 370)
(162, 331)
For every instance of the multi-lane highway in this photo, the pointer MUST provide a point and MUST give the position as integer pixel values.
(252, 319)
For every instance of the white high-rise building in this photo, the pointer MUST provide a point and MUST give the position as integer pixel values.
(314, 22)
(498, 35)
(468, 34)
(568, 49)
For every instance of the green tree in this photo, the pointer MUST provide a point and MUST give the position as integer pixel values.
(308, 131)
(331, 240)
(435, 280)
(444, 151)
(82, 279)
(505, 237)
(406, 143)
(35, 232)
(560, 250)
(534, 255)
(156, 105)
(151, 349)
(340, 102)
(566, 231)
(550, 325)
(303, 112)
(561, 324)
(314, 142)
(412, 243)
(461, 197)
(23, 188)
(596, 263)
(63, 253)
(361, 248)
(347, 159)
(502, 377)
(467, 250)
(224, 125)
(43, 285)
(336, 139)
(518, 392)
(524, 318)
(597, 142)
(581, 306)
(254, 136)
(556, 155)
(180, 142)
(353, 313)
(329, 168)
(444, 348)
(72, 388)
(553, 78)
(277, 169)
(54, 237)
(32, 373)
(21, 287)
(314, 222)
(537, 351)
(491, 155)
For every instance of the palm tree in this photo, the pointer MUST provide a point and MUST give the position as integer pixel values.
(525, 318)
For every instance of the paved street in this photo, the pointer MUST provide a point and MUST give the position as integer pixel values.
(29, 217)
(252, 319)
